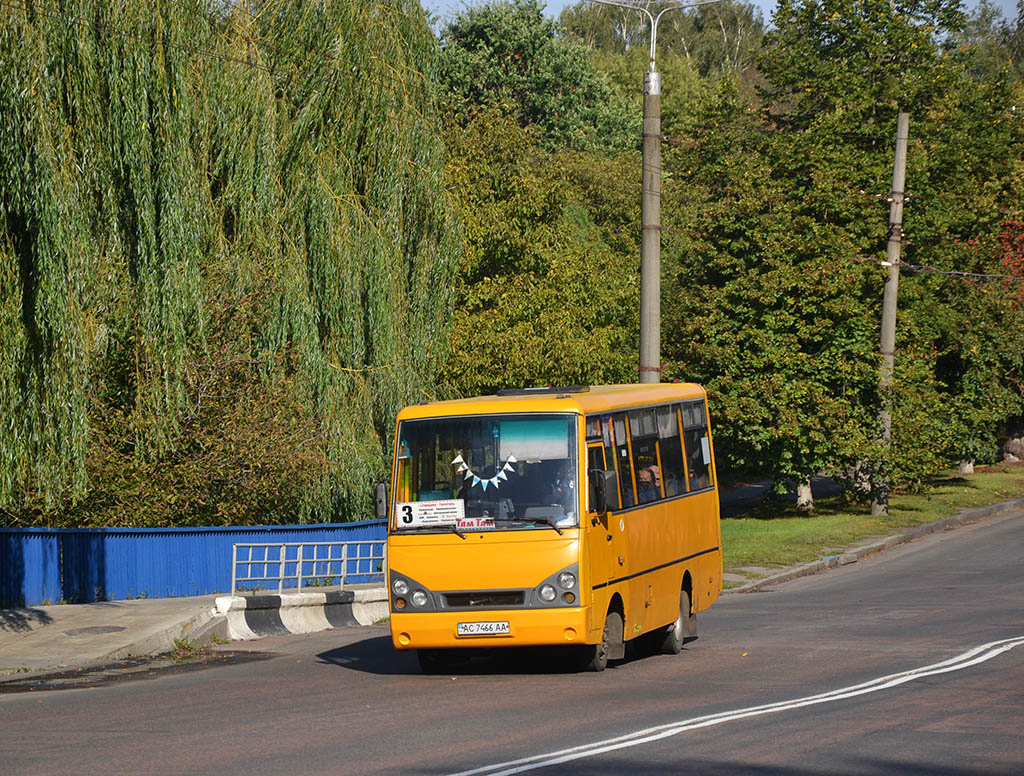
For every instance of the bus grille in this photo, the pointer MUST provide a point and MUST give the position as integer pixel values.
(488, 598)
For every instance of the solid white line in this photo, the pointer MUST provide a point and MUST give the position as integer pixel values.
(964, 660)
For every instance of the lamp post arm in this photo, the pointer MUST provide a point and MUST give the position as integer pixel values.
(653, 20)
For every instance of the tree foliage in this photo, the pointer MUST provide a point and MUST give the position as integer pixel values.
(507, 54)
(235, 239)
(777, 290)
(548, 276)
(223, 245)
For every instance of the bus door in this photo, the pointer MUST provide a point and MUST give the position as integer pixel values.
(606, 538)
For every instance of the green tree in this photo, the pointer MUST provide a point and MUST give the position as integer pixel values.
(789, 215)
(758, 308)
(548, 279)
(225, 252)
(507, 54)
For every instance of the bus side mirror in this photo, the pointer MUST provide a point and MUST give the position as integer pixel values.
(600, 482)
(380, 500)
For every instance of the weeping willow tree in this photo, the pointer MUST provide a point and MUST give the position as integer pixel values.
(225, 256)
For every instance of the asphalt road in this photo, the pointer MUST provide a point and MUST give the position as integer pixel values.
(828, 654)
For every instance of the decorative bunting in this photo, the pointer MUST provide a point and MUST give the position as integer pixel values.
(468, 474)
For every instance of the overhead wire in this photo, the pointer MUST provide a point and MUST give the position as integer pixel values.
(925, 269)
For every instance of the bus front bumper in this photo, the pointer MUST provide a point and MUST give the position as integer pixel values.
(526, 627)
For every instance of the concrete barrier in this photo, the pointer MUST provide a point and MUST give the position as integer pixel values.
(255, 616)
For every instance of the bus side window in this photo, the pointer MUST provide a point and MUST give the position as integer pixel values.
(698, 449)
(622, 462)
(672, 473)
(643, 436)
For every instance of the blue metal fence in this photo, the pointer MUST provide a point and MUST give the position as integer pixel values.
(287, 565)
(39, 566)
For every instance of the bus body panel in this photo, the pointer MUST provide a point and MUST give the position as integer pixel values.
(483, 561)
(652, 572)
(529, 628)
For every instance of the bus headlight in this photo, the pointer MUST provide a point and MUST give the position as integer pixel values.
(419, 598)
(400, 586)
(566, 580)
(547, 593)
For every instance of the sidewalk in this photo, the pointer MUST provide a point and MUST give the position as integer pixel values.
(41, 638)
(72, 636)
(69, 636)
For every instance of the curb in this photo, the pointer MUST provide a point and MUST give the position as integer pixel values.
(857, 552)
(255, 616)
(198, 628)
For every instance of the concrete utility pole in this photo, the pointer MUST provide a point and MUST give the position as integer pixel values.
(650, 225)
(880, 475)
(650, 203)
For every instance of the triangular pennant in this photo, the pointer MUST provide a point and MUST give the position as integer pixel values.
(469, 474)
(476, 480)
(500, 476)
(462, 468)
(494, 481)
(459, 459)
(484, 483)
(508, 468)
(511, 459)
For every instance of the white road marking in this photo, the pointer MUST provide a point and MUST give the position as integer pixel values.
(965, 660)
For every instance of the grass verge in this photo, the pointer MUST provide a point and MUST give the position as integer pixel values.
(776, 537)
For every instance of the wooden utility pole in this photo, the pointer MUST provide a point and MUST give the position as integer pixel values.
(650, 223)
(881, 473)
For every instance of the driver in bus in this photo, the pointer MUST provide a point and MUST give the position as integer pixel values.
(562, 491)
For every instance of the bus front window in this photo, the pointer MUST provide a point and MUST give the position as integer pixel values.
(494, 472)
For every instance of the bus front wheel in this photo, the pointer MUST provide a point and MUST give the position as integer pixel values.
(675, 634)
(594, 657)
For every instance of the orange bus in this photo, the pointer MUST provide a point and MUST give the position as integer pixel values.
(583, 516)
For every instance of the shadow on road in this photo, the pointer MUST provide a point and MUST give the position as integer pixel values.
(372, 656)
(377, 656)
(23, 619)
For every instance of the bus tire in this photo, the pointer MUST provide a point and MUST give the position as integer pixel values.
(594, 657)
(675, 634)
(434, 661)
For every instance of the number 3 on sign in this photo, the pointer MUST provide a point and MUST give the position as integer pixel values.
(407, 513)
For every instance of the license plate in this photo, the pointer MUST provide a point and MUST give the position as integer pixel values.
(499, 628)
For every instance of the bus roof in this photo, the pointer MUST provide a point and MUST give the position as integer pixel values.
(576, 399)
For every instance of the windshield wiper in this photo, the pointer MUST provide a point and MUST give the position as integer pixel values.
(457, 532)
(547, 521)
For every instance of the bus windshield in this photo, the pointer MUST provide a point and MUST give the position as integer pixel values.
(487, 473)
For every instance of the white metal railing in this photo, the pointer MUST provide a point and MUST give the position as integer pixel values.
(309, 564)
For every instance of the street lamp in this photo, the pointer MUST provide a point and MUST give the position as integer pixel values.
(650, 203)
